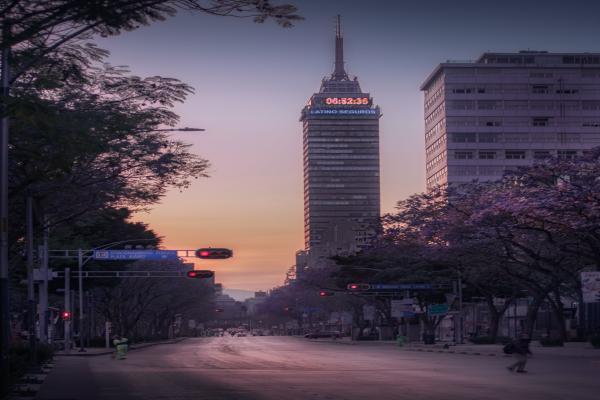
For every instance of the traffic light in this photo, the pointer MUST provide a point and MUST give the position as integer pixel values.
(65, 315)
(358, 286)
(214, 254)
(288, 309)
(325, 293)
(219, 310)
(200, 274)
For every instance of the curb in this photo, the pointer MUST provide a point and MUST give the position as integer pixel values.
(132, 347)
(469, 353)
(425, 350)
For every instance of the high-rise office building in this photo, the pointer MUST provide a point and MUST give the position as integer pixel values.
(341, 165)
(506, 110)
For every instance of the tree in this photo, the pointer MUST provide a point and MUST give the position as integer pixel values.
(43, 26)
(147, 307)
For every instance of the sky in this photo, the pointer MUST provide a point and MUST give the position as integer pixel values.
(252, 80)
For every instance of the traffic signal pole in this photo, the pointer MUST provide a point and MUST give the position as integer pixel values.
(31, 309)
(67, 321)
(81, 316)
(4, 287)
(43, 285)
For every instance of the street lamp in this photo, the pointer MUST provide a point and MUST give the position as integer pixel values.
(184, 129)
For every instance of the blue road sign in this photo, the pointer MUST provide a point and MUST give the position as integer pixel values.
(116, 255)
(437, 309)
(402, 286)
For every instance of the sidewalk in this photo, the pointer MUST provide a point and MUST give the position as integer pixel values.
(572, 349)
(99, 351)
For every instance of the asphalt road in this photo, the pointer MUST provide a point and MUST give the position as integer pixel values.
(286, 368)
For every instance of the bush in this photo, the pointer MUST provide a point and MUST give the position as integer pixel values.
(20, 362)
(549, 342)
(488, 340)
(595, 341)
(98, 341)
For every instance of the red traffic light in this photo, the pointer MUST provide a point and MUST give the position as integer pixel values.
(65, 315)
(214, 254)
(201, 274)
(358, 286)
(325, 293)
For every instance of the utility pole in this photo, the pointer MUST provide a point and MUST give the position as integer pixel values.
(31, 309)
(4, 289)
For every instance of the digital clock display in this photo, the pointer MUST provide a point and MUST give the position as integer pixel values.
(345, 101)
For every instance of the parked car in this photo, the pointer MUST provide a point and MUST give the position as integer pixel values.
(323, 334)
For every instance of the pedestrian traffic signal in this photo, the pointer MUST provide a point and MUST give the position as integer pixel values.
(65, 315)
(201, 274)
(214, 254)
(325, 293)
(358, 286)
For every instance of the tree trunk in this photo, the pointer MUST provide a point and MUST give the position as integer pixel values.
(582, 317)
(557, 307)
(532, 312)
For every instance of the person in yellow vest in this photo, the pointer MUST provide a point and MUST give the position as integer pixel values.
(121, 345)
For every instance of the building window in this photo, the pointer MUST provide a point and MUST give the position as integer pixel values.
(463, 137)
(461, 105)
(492, 123)
(487, 155)
(567, 154)
(541, 154)
(541, 121)
(514, 154)
(539, 89)
(489, 105)
(463, 155)
(489, 137)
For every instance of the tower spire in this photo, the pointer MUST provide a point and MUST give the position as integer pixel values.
(339, 73)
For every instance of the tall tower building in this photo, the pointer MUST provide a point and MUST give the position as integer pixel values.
(505, 110)
(341, 165)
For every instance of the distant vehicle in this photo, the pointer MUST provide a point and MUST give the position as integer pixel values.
(241, 334)
(323, 334)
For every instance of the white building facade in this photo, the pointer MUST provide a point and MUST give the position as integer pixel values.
(506, 110)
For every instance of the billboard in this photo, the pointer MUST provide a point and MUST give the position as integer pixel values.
(334, 111)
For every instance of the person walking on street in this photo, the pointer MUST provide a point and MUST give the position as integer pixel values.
(121, 345)
(520, 348)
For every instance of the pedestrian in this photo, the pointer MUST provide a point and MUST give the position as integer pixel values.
(121, 346)
(520, 349)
